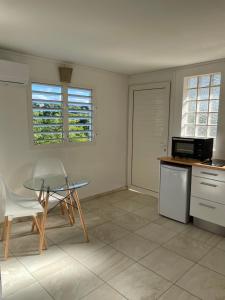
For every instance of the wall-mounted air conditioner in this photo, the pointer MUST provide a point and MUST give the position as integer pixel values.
(12, 72)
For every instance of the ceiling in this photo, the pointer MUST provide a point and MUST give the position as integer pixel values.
(125, 36)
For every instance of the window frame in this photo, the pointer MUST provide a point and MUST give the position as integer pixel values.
(183, 102)
(66, 143)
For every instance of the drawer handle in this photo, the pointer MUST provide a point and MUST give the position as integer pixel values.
(205, 205)
(208, 173)
(209, 184)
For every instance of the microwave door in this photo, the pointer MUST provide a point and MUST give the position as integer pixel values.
(184, 148)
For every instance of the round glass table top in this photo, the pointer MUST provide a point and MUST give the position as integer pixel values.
(54, 183)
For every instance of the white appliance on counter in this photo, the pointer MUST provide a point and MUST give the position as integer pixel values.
(174, 197)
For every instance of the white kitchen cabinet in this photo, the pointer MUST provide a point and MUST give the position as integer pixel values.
(209, 173)
(208, 189)
(207, 210)
(208, 195)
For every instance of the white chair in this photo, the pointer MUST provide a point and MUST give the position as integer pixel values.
(48, 167)
(15, 206)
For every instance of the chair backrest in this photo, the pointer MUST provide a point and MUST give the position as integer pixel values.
(5, 195)
(49, 166)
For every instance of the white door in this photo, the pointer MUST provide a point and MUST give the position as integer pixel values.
(150, 119)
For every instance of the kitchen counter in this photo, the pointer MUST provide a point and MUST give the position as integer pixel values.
(189, 162)
(207, 190)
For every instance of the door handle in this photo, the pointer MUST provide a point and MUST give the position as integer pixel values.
(206, 205)
(164, 146)
(209, 184)
(208, 173)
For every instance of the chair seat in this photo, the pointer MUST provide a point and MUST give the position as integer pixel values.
(22, 207)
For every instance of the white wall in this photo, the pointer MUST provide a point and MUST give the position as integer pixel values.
(103, 162)
(176, 76)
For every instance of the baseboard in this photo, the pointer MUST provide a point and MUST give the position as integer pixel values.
(104, 194)
(143, 191)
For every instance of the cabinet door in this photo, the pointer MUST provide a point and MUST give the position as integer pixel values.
(208, 189)
(208, 211)
(209, 173)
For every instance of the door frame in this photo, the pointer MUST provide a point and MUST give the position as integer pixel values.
(132, 89)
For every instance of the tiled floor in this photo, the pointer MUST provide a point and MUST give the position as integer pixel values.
(133, 254)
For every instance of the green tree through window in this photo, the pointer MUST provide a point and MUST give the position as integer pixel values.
(61, 114)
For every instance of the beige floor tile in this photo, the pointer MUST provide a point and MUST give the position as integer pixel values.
(111, 219)
(21, 228)
(119, 196)
(25, 245)
(166, 263)
(176, 293)
(156, 233)
(214, 260)
(79, 249)
(104, 292)
(203, 236)
(69, 281)
(93, 219)
(145, 199)
(34, 292)
(221, 244)
(46, 269)
(109, 212)
(14, 277)
(138, 283)
(134, 246)
(109, 232)
(188, 248)
(107, 262)
(204, 283)
(54, 221)
(129, 204)
(58, 235)
(35, 262)
(125, 193)
(93, 204)
(130, 221)
(172, 225)
(149, 213)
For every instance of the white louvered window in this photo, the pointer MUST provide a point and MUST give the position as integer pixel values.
(201, 96)
(61, 114)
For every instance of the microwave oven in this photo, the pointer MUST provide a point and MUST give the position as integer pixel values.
(196, 148)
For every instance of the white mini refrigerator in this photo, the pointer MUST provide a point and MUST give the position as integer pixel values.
(174, 197)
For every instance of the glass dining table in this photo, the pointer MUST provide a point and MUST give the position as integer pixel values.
(63, 190)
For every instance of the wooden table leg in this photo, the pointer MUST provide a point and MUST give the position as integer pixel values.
(68, 212)
(7, 233)
(71, 204)
(44, 218)
(4, 229)
(39, 200)
(77, 201)
(40, 233)
(33, 226)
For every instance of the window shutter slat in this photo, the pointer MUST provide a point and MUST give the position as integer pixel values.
(61, 114)
(47, 118)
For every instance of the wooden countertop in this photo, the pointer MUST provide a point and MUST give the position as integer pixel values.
(189, 162)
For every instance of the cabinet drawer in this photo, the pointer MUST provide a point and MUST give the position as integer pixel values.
(208, 211)
(209, 173)
(208, 189)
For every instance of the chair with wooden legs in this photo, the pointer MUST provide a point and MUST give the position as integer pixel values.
(47, 167)
(15, 206)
